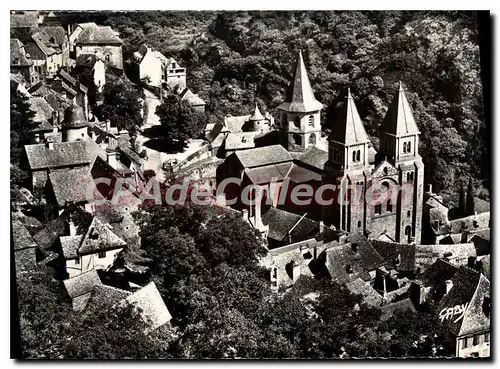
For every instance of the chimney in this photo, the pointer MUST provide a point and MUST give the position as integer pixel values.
(449, 285)
(71, 228)
(430, 188)
(55, 129)
(289, 237)
(49, 143)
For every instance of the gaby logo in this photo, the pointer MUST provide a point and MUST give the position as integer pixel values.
(449, 313)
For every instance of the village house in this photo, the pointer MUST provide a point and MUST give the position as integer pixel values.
(69, 87)
(23, 24)
(46, 55)
(56, 35)
(21, 62)
(92, 69)
(89, 38)
(465, 309)
(95, 249)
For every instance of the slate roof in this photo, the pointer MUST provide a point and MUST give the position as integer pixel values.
(192, 98)
(17, 56)
(82, 284)
(235, 124)
(486, 266)
(280, 222)
(389, 310)
(482, 244)
(29, 20)
(240, 140)
(467, 224)
(469, 287)
(74, 117)
(263, 156)
(44, 45)
(152, 308)
(21, 237)
(266, 173)
(399, 119)
(342, 257)
(369, 256)
(439, 272)
(299, 174)
(98, 35)
(56, 32)
(390, 251)
(299, 95)
(106, 296)
(73, 185)
(99, 237)
(481, 206)
(370, 296)
(70, 245)
(314, 157)
(257, 115)
(348, 128)
(64, 154)
(43, 110)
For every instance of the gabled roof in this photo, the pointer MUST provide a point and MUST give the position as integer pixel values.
(99, 237)
(369, 256)
(370, 296)
(63, 154)
(263, 156)
(28, 20)
(235, 124)
(73, 185)
(299, 174)
(192, 98)
(280, 223)
(267, 173)
(403, 305)
(18, 56)
(348, 128)
(57, 33)
(43, 43)
(300, 96)
(21, 237)
(75, 118)
(98, 35)
(82, 284)
(345, 265)
(152, 309)
(314, 157)
(43, 110)
(399, 119)
(469, 289)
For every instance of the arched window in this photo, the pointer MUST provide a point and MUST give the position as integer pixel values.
(409, 147)
(359, 223)
(408, 214)
(354, 156)
(411, 176)
(407, 177)
(408, 233)
(385, 171)
(358, 155)
(389, 205)
(404, 147)
(311, 120)
(378, 209)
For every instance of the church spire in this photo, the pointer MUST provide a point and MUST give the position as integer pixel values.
(399, 119)
(300, 97)
(349, 129)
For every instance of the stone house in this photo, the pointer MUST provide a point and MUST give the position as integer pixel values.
(46, 55)
(21, 62)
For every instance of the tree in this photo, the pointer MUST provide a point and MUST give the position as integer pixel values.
(179, 121)
(21, 126)
(122, 105)
(461, 202)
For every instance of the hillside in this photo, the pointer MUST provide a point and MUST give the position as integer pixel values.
(236, 58)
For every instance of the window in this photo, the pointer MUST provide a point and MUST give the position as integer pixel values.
(404, 147)
(407, 230)
(348, 269)
(409, 147)
(312, 139)
(311, 120)
(354, 156)
(174, 65)
(487, 337)
(464, 343)
(389, 206)
(297, 139)
(359, 223)
(378, 209)
(408, 213)
(475, 340)
(77, 261)
(411, 176)
(385, 171)
(358, 155)
(101, 254)
(107, 58)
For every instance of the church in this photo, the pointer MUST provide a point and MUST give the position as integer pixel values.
(346, 160)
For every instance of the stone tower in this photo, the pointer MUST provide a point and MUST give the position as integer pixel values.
(258, 121)
(300, 125)
(347, 166)
(399, 138)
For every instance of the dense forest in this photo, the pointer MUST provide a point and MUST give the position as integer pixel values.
(237, 58)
